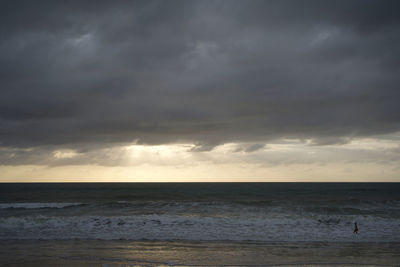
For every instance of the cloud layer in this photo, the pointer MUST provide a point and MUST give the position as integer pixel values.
(203, 72)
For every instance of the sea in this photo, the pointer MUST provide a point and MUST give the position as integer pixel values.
(199, 213)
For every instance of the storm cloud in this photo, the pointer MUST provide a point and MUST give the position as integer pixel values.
(199, 72)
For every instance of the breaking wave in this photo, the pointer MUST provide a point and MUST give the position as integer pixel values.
(37, 205)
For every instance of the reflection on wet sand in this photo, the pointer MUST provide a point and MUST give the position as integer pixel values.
(149, 253)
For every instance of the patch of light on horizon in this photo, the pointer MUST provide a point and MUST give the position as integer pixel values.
(158, 151)
(372, 144)
(64, 154)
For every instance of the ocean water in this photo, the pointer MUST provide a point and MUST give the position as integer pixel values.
(201, 212)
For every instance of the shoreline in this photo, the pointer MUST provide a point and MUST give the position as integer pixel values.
(196, 253)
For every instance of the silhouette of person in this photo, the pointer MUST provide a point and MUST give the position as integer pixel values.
(355, 228)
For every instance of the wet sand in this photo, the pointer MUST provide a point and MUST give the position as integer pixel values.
(154, 253)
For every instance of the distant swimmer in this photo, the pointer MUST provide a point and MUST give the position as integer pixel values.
(355, 228)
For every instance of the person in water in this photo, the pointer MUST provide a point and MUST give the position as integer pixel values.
(355, 228)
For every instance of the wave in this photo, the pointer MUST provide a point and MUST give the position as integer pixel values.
(203, 208)
(179, 227)
(51, 205)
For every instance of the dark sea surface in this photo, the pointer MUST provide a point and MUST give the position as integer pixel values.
(201, 212)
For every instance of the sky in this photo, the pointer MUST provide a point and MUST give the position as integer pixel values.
(183, 91)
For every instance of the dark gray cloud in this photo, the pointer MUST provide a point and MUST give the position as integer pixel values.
(206, 72)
